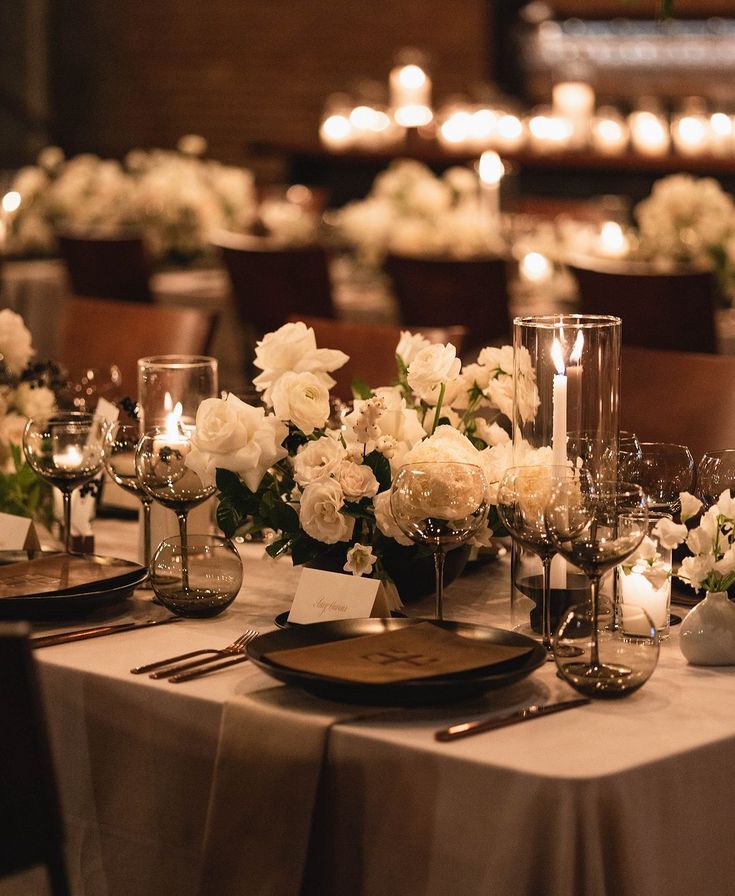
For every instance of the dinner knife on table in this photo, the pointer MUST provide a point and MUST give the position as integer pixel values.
(98, 631)
(535, 711)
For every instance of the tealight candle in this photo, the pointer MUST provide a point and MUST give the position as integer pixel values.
(691, 134)
(410, 95)
(609, 132)
(649, 133)
(336, 132)
(574, 101)
(536, 268)
(510, 134)
(491, 170)
(549, 132)
(70, 459)
(721, 126)
(613, 243)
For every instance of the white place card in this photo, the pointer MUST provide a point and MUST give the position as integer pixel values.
(17, 533)
(322, 596)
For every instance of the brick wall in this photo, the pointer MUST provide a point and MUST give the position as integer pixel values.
(131, 73)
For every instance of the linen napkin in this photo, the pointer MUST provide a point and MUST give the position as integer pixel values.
(272, 746)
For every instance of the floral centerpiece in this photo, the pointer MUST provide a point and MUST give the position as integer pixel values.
(24, 391)
(323, 489)
(410, 210)
(177, 199)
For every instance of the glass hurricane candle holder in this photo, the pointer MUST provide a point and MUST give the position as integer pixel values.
(174, 385)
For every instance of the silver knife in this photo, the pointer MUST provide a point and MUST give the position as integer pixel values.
(82, 634)
(465, 729)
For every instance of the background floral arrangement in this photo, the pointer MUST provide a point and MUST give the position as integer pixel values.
(325, 489)
(410, 210)
(25, 390)
(177, 199)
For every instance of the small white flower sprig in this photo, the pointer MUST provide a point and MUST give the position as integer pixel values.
(712, 543)
(649, 563)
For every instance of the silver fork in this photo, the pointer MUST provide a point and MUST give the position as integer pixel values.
(216, 653)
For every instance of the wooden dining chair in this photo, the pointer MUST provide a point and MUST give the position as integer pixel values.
(270, 281)
(109, 267)
(681, 397)
(438, 292)
(673, 310)
(31, 832)
(97, 333)
(371, 348)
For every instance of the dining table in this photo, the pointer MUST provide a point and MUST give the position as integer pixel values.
(236, 783)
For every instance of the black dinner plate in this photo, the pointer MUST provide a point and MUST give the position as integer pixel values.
(441, 689)
(71, 602)
(281, 620)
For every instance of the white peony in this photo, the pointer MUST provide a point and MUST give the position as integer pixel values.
(319, 512)
(303, 399)
(15, 341)
(33, 400)
(233, 435)
(292, 349)
(318, 459)
(357, 480)
(433, 365)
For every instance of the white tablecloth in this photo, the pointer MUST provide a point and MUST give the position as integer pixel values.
(631, 797)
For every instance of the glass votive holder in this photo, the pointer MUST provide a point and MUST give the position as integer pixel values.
(171, 387)
(619, 661)
(197, 578)
(644, 580)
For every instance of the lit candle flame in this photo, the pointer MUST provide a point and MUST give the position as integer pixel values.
(557, 356)
(491, 168)
(576, 352)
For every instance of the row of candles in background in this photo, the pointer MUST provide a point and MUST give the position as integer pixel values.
(571, 122)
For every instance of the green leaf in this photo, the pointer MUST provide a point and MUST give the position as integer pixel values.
(304, 549)
(360, 389)
(380, 466)
(276, 548)
(229, 518)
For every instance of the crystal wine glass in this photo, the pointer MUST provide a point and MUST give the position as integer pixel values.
(663, 470)
(522, 498)
(715, 474)
(440, 505)
(160, 466)
(65, 449)
(595, 528)
(119, 444)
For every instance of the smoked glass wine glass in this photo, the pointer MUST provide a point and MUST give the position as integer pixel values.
(65, 449)
(523, 495)
(440, 505)
(595, 529)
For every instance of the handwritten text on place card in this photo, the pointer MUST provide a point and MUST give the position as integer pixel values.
(322, 596)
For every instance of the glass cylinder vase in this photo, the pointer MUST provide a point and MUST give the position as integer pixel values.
(565, 410)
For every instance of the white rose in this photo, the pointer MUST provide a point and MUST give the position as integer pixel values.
(233, 435)
(357, 480)
(318, 459)
(432, 366)
(690, 506)
(409, 345)
(303, 399)
(319, 512)
(15, 341)
(33, 400)
(292, 349)
(386, 522)
(360, 560)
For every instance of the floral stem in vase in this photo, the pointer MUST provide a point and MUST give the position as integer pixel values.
(437, 414)
(184, 550)
(439, 556)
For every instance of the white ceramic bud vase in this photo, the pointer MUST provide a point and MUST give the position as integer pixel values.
(707, 634)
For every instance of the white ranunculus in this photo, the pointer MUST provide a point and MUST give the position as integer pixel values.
(386, 522)
(303, 399)
(433, 365)
(669, 534)
(360, 560)
(33, 400)
(319, 512)
(409, 345)
(15, 341)
(292, 349)
(357, 480)
(690, 506)
(233, 435)
(318, 459)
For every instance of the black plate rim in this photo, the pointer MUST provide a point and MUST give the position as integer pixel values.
(440, 687)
